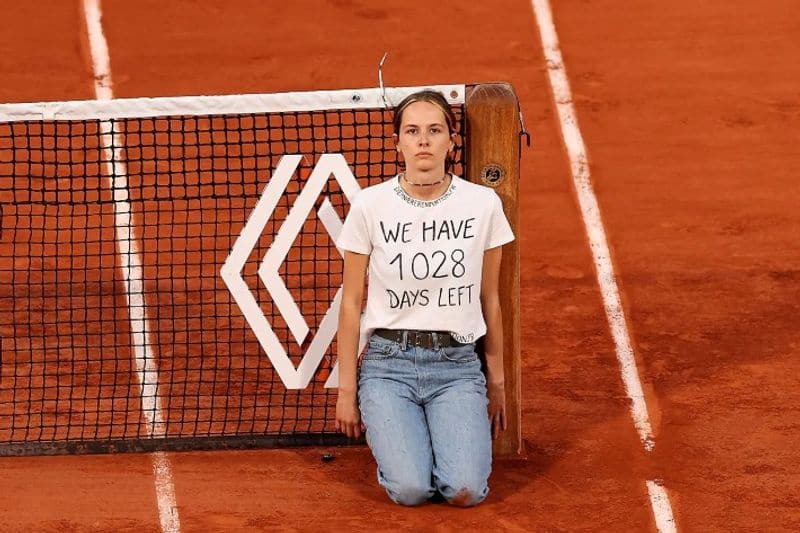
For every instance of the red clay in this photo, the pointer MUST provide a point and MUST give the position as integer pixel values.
(80, 493)
(42, 52)
(691, 121)
(692, 132)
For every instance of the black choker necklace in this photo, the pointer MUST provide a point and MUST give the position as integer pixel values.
(404, 178)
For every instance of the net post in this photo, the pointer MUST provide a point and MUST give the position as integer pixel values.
(492, 159)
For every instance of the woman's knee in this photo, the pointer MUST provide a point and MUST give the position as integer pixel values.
(410, 494)
(467, 497)
(464, 492)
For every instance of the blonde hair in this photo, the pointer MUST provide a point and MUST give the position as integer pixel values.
(432, 97)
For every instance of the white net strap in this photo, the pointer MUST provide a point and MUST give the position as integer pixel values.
(219, 105)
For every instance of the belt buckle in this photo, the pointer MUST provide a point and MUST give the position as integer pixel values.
(416, 338)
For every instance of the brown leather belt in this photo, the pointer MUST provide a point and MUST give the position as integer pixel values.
(415, 337)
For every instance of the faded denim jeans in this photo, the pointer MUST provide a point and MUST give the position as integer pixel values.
(427, 425)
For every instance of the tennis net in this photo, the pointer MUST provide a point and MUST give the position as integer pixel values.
(169, 274)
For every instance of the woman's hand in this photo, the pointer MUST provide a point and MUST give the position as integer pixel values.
(493, 344)
(497, 408)
(348, 417)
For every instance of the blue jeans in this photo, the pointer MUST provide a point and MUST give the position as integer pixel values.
(427, 424)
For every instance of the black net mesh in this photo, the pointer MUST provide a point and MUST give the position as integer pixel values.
(78, 332)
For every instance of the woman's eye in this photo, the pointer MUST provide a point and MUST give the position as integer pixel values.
(411, 130)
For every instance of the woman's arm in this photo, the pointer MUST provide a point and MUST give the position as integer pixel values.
(348, 418)
(493, 343)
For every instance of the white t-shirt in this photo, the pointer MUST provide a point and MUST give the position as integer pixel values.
(426, 257)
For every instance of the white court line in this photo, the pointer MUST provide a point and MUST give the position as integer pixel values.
(662, 511)
(132, 275)
(590, 211)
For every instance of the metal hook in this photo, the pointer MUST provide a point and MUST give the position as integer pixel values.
(523, 132)
(380, 80)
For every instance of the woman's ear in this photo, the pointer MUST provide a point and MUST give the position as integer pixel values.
(400, 157)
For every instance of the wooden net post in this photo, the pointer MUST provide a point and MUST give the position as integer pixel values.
(492, 157)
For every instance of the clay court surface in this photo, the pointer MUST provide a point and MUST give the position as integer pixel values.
(690, 113)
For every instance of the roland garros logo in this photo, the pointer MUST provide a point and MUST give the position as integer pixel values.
(231, 271)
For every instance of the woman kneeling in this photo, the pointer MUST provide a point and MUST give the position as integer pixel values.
(432, 243)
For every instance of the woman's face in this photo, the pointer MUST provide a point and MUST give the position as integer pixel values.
(424, 139)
